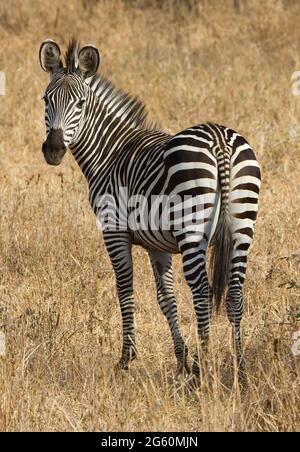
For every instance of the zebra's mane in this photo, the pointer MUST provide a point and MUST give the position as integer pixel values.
(126, 107)
(71, 55)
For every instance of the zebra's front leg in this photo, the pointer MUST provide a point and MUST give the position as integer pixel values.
(118, 245)
(163, 272)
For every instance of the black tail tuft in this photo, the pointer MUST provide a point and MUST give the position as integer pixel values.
(221, 258)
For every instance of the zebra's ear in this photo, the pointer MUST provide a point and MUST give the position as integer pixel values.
(88, 61)
(50, 56)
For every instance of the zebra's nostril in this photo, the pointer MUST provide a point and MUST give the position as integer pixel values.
(54, 141)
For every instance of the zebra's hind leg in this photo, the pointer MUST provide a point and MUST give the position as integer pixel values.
(118, 245)
(235, 303)
(163, 272)
(194, 257)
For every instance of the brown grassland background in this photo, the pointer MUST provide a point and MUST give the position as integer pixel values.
(190, 62)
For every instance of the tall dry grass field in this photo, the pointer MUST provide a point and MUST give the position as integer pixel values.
(58, 306)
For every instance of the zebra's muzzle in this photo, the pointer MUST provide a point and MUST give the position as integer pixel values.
(54, 148)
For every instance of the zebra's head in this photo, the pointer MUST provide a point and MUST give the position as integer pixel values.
(66, 94)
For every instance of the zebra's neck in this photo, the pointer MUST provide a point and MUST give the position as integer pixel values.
(112, 122)
(97, 143)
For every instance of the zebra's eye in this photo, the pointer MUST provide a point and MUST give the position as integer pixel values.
(80, 103)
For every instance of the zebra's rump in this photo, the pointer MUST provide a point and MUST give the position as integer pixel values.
(198, 170)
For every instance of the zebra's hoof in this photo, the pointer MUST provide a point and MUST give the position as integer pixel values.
(126, 359)
(123, 365)
(182, 369)
(194, 382)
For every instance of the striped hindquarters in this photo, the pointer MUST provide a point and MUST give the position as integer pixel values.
(213, 163)
(239, 179)
(245, 180)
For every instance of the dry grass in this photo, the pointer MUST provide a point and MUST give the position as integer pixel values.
(57, 297)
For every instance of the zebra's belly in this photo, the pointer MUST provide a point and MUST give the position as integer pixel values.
(194, 227)
(155, 240)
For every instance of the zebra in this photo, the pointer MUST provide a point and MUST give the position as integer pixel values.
(116, 146)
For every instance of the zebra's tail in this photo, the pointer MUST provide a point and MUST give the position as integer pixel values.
(222, 240)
